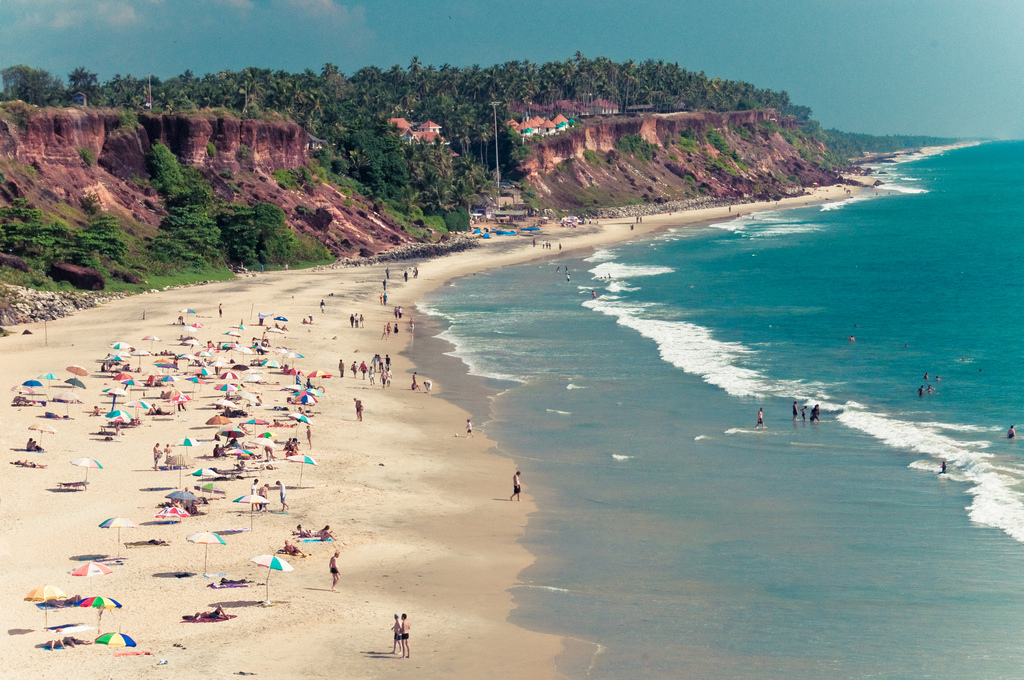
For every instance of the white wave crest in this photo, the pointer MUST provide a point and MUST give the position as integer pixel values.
(618, 457)
(570, 386)
(627, 271)
(562, 413)
(601, 256)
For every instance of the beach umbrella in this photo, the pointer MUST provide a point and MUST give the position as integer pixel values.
(271, 363)
(256, 421)
(319, 374)
(206, 372)
(225, 403)
(49, 378)
(114, 357)
(239, 452)
(192, 342)
(221, 363)
(75, 382)
(227, 387)
(114, 393)
(234, 334)
(267, 435)
(229, 375)
(180, 398)
(172, 513)
(218, 420)
(272, 563)
(251, 500)
(304, 460)
(21, 389)
(243, 350)
(280, 318)
(187, 356)
(196, 326)
(170, 379)
(247, 396)
(118, 523)
(99, 603)
(140, 353)
(264, 316)
(119, 416)
(306, 399)
(274, 330)
(77, 370)
(291, 371)
(187, 441)
(92, 569)
(152, 339)
(206, 538)
(115, 640)
(232, 432)
(301, 417)
(121, 345)
(137, 404)
(87, 463)
(32, 383)
(204, 472)
(212, 487)
(165, 364)
(252, 378)
(129, 382)
(45, 594)
(42, 428)
(182, 496)
(123, 376)
(67, 398)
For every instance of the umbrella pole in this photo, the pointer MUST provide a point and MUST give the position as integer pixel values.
(250, 516)
(205, 557)
(268, 583)
(300, 474)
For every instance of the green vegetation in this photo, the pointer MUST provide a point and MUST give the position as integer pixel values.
(211, 149)
(87, 156)
(129, 119)
(637, 146)
(592, 158)
(286, 179)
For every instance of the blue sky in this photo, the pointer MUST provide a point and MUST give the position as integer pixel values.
(881, 66)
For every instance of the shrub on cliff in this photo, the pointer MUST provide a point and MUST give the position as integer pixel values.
(188, 236)
(103, 237)
(256, 234)
(637, 146)
(87, 156)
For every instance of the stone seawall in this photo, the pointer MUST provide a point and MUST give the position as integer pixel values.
(410, 251)
(23, 305)
(641, 209)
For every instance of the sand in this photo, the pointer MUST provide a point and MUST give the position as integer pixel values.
(421, 511)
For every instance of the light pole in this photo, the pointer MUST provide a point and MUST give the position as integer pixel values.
(497, 168)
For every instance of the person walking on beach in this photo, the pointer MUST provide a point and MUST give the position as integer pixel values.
(516, 488)
(469, 427)
(760, 418)
(157, 453)
(397, 630)
(282, 491)
(405, 635)
(334, 572)
(220, 310)
(359, 410)
(322, 306)
(309, 436)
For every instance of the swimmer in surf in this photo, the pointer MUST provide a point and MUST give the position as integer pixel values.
(1011, 433)
(943, 471)
(760, 418)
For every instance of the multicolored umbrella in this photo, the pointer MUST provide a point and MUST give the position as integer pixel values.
(121, 345)
(119, 416)
(256, 421)
(227, 387)
(319, 374)
(92, 569)
(115, 640)
(99, 603)
(267, 435)
(272, 563)
(87, 463)
(304, 460)
(306, 398)
(301, 417)
(187, 441)
(232, 432)
(172, 513)
(271, 363)
(196, 326)
(239, 452)
(251, 500)
(118, 523)
(206, 538)
(204, 472)
(152, 339)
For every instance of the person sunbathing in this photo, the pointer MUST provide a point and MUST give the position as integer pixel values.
(325, 533)
(216, 614)
(33, 445)
(234, 582)
(27, 463)
(302, 533)
(290, 549)
(61, 643)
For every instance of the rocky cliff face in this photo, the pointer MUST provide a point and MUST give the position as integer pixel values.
(43, 162)
(585, 169)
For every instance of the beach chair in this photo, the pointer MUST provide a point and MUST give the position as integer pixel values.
(72, 486)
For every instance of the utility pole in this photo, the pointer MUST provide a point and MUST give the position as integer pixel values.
(497, 168)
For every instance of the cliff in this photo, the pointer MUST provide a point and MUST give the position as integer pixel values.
(740, 155)
(44, 157)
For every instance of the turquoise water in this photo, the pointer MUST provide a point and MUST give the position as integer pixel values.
(685, 542)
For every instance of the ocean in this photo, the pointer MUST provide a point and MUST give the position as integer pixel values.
(676, 539)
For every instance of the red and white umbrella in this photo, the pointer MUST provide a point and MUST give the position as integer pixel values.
(92, 569)
(172, 513)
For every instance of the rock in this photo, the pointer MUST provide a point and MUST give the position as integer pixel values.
(83, 278)
(14, 262)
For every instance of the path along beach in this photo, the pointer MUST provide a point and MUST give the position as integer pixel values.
(420, 512)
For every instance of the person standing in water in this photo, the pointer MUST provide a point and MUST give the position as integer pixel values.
(1011, 433)
(760, 418)
(516, 487)
(796, 412)
(943, 470)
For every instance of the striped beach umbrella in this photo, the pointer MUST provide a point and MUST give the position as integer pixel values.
(115, 640)
(172, 513)
(301, 417)
(272, 563)
(99, 603)
(305, 460)
(92, 569)
(119, 416)
(206, 538)
(118, 523)
(87, 463)
(121, 346)
(251, 500)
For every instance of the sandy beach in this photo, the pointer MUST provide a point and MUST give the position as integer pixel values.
(421, 512)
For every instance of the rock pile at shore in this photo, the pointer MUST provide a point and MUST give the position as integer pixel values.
(671, 206)
(411, 251)
(25, 305)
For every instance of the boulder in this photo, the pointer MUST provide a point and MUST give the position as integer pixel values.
(83, 278)
(13, 261)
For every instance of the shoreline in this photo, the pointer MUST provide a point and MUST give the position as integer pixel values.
(471, 569)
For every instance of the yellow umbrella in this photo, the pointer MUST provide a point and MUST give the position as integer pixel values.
(45, 594)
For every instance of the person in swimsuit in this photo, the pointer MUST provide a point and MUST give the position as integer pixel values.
(760, 418)
(397, 630)
(469, 428)
(943, 470)
(405, 635)
(334, 571)
(1011, 433)
(795, 411)
(516, 488)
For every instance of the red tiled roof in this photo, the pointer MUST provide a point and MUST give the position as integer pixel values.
(560, 119)
(425, 135)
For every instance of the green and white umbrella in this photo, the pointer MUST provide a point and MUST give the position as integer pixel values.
(206, 538)
(272, 563)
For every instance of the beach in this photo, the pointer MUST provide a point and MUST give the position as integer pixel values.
(420, 511)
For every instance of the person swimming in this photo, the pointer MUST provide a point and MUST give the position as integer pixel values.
(943, 470)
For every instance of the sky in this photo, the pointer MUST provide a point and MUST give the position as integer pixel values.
(937, 67)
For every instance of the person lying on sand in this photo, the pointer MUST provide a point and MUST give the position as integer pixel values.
(290, 549)
(234, 582)
(217, 613)
(302, 533)
(69, 641)
(27, 463)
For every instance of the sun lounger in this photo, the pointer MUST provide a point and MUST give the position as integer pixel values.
(72, 486)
